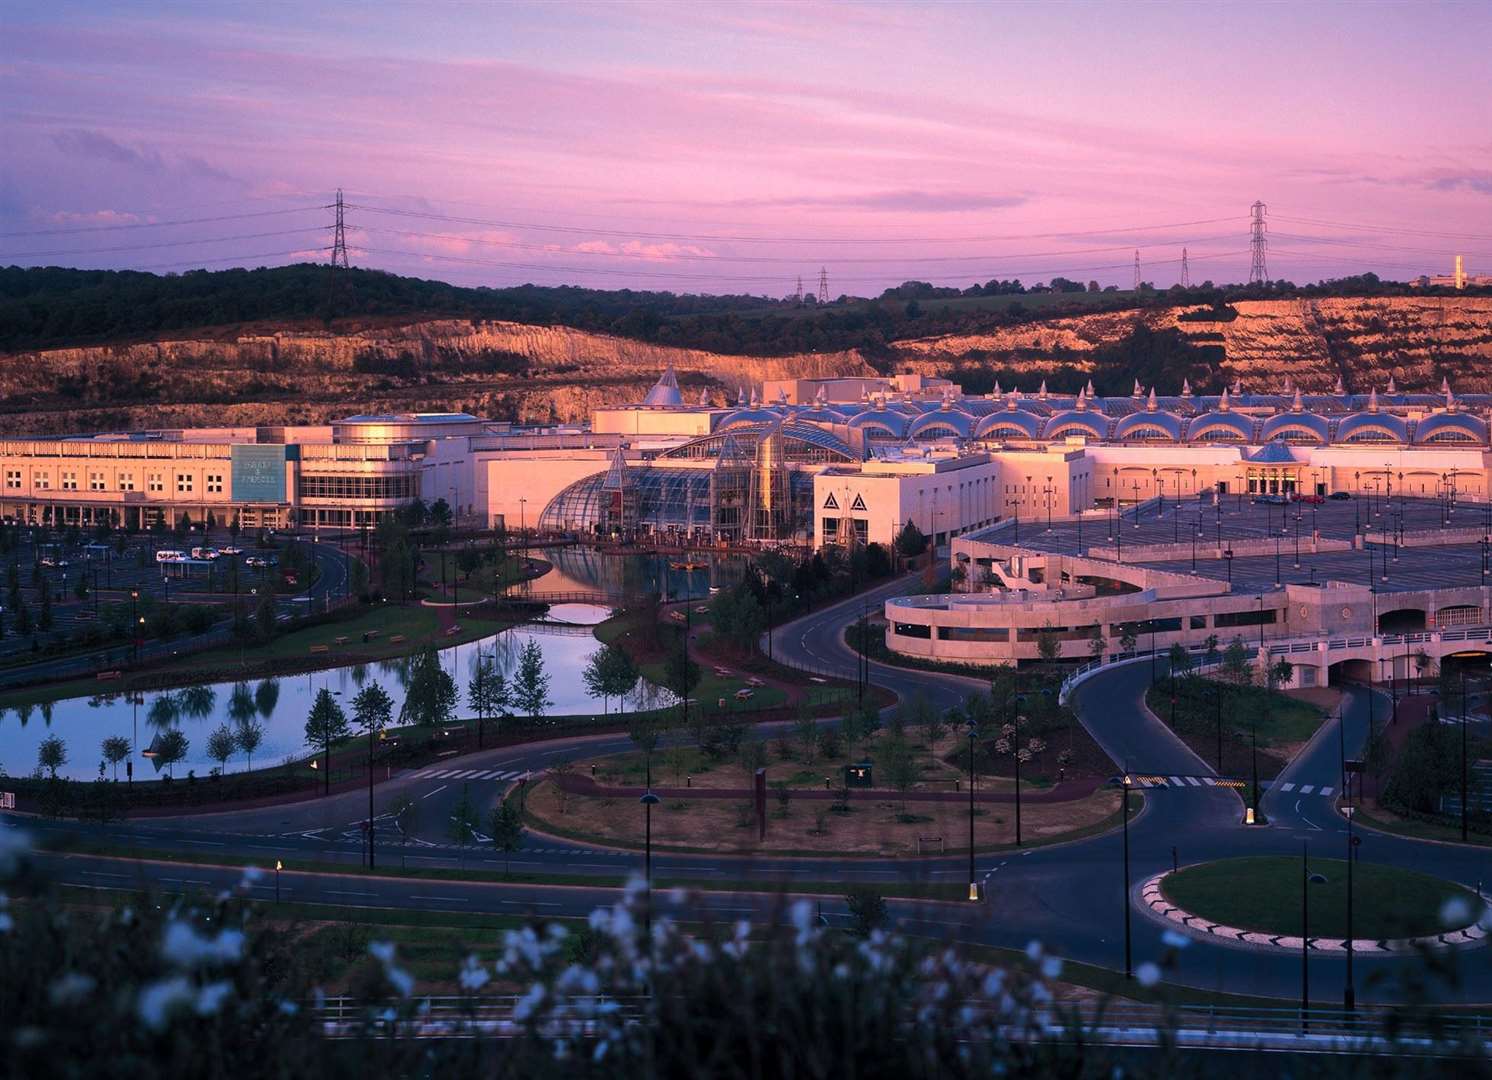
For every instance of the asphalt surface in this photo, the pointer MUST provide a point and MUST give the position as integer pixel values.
(1073, 897)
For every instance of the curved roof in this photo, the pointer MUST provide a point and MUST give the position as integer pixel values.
(889, 421)
(1023, 424)
(1450, 427)
(1222, 427)
(1088, 422)
(818, 438)
(1372, 427)
(950, 421)
(821, 414)
(1296, 427)
(978, 407)
(747, 417)
(1148, 424)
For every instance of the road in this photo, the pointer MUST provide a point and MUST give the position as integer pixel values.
(1073, 897)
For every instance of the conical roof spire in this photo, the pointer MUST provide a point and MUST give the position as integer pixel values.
(1089, 388)
(1393, 387)
(1138, 390)
(1297, 405)
(1042, 392)
(1082, 402)
(1186, 387)
(998, 393)
(754, 401)
(1222, 402)
(617, 477)
(1151, 405)
(665, 391)
(821, 397)
(1341, 387)
(1373, 400)
(1237, 387)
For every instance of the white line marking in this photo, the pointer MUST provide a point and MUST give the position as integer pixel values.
(441, 899)
(1176, 780)
(1324, 791)
(1306, 789)
(345, 892)
(1193, 781)
(437, 791)
(1287, 787)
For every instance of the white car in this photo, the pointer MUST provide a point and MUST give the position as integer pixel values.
(204, 553)
(170, 555)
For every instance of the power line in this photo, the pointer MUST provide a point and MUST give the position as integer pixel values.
(161, 224)
(641, 235)
(162, 244)
(1383, 228)
(823, 285)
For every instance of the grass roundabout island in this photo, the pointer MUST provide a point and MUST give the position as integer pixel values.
(1263, 894)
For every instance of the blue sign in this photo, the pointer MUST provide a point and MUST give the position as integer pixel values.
(258, 474)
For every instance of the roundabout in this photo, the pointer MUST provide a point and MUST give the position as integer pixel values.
(1275, 901)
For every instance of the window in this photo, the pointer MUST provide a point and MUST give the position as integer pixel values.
(126, 481)
(95, 481)
(215, 483)
(69, 481)
(184, 483)
(12, 478)
(42, 481)
(157, 481)
(319, 486)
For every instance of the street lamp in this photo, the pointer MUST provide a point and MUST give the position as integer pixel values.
(648, 800)
(1124, 895)
(1307, 879)
(973, 882)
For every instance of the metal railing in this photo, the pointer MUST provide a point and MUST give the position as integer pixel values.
(1473, 633)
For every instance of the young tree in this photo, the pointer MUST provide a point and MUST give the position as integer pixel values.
(326, 725)
(1180, 662)
(248, 733)
(1128, 638)
(372, 710)
(680, 673)
(531, 681)
(1280, 673)
(806, 732)
(594, 678)
(1097, 643)
(264, 614)
(620, 675)
(462, 829)
(899, 767)
(1048, 646)
(170, 747)
(911, 541)
(488, 693)
(405, 812)
(116, 748)
(51, 754)
(505, 824)
(1236, 663)
(430, 697)
(221, 745)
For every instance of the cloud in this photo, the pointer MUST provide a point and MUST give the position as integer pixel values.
(908, 201)
(87, 143)
(1479, 182)
(80, 142)
(661, 252)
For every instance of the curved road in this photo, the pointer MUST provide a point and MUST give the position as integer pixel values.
(1070, 896)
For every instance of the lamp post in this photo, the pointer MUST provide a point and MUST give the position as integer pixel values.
(1124, 894)
(648, 800)
(278, 867)
(1463, 754)
(1349, 990)
(370, 796)
(973, 883)
(134, 625)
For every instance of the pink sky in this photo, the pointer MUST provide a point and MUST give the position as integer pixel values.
(733, 147)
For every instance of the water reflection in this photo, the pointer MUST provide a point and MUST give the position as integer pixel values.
(280, 706)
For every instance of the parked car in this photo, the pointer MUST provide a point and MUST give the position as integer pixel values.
(1340, 496)
(170, 555)
(1271, 500)
(53, 561)
(204, 553)
(1311, 500)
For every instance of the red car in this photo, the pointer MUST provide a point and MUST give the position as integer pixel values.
(1314, 500)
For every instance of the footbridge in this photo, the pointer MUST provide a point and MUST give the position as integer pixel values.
(1380, 658)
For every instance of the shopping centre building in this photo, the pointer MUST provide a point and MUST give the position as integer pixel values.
(996, 480)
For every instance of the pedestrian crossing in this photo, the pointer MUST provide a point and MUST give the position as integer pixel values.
(469, 774)
(1325, 791)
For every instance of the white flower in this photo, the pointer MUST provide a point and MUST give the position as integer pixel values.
(1455, 912)
(528, 1003)
(14, 843)
(251, 875)
(473, 975)
(289, 1008)
(71, 988)
(403, 981)
(160, 997)
(994, 982)
(210, 997)
(1175, 940)
(1033, 951)
(383, 951)
(1051, 967)
(678, 896)
(801, 914)
(1147, 974)
(185, 948)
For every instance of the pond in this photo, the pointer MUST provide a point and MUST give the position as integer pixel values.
(586, 569)
(281, 705)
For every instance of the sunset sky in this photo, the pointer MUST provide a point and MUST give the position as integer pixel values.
(732, 147)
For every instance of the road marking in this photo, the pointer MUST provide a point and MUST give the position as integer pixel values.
(437, 791)
(1324, 791)
(490, 775)
(1287, 787)
(101, 873)
(1193, 781)
(1306, 789)
(345, 892)
(441, 899)
(1176, 780)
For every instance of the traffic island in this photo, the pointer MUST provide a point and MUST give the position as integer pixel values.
(1274, 902)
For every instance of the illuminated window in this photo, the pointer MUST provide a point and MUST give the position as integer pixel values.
(184, 483)
(214, 484)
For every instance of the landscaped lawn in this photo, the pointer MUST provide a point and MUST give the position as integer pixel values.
(1264, 894)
